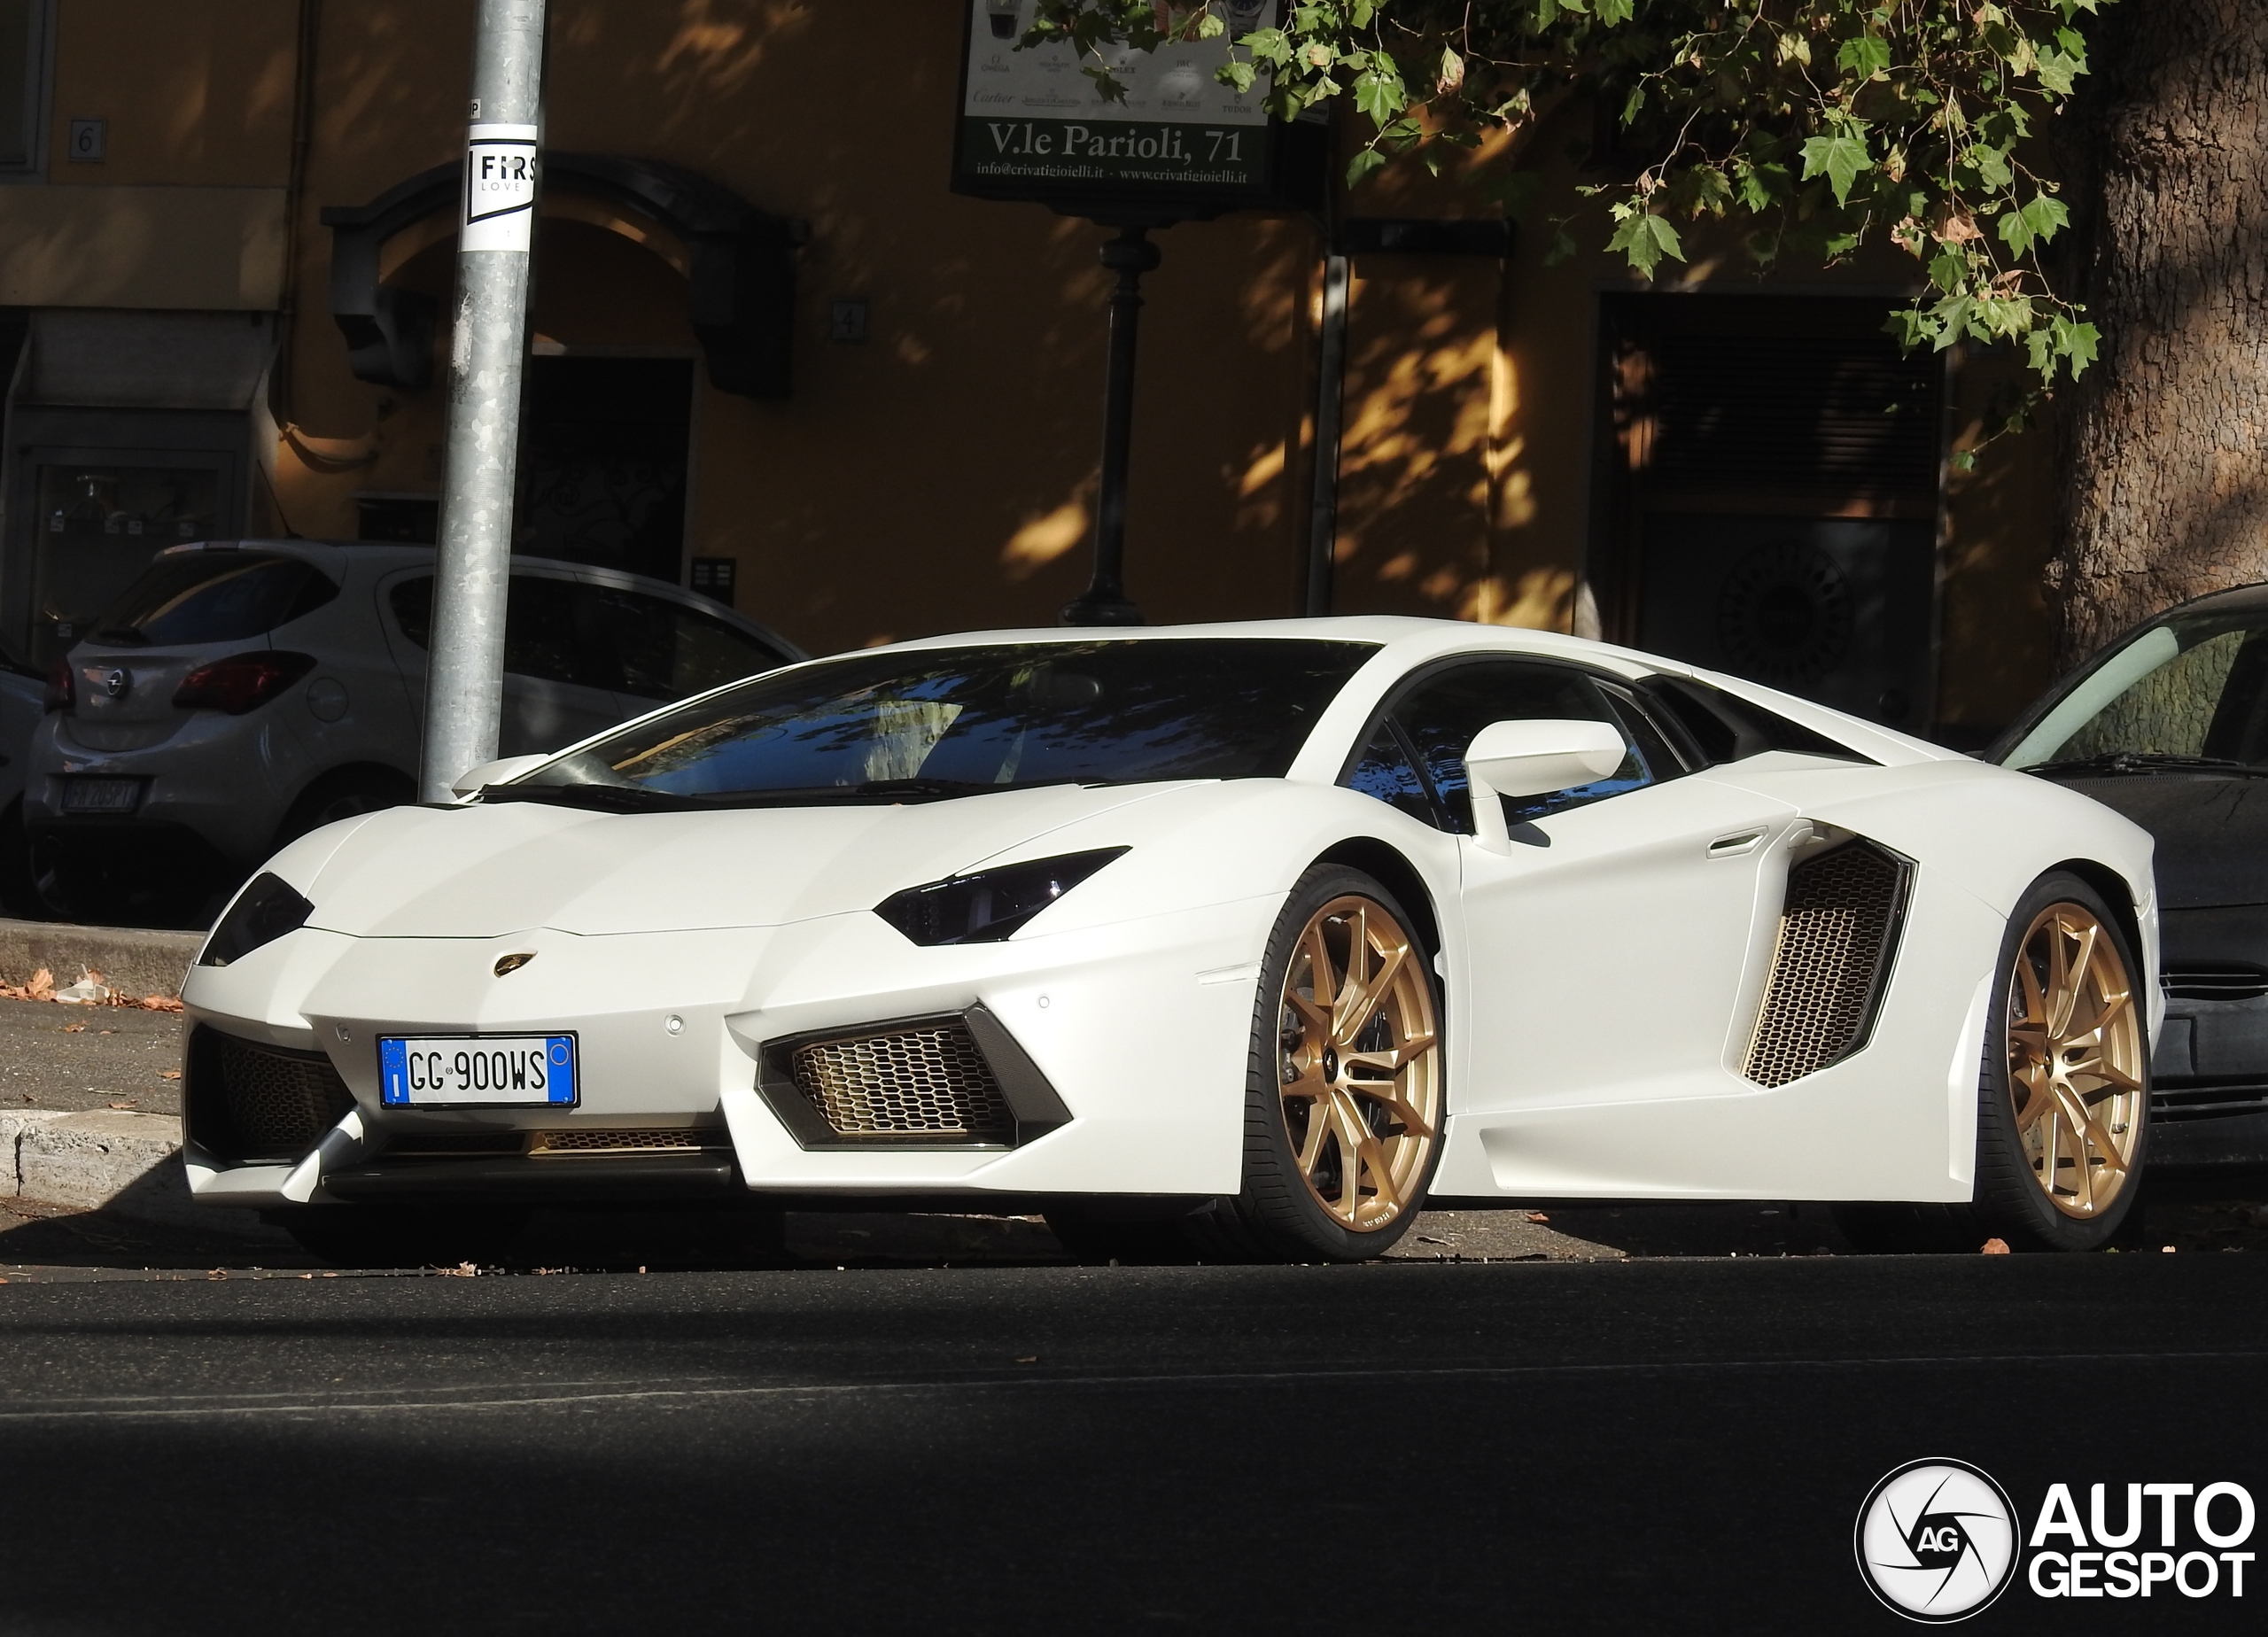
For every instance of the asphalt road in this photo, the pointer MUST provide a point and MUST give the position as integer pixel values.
(1633, 1447)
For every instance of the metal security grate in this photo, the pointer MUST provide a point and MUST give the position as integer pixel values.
(2226, 982)
(1836, 936)
(280, 1103)
(581, 1141)
(929, 1080)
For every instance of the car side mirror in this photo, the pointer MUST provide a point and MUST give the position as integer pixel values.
(1534, 758)
(469, 783)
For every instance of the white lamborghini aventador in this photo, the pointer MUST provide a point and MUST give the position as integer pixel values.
(1257, 935)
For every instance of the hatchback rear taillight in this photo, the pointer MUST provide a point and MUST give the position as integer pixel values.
(62, 694)
(241, 682)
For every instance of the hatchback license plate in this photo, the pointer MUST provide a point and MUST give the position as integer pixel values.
(464, 1071)
(101, 795)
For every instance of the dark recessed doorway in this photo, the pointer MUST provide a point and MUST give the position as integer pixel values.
(1768, 494)
(604, 461)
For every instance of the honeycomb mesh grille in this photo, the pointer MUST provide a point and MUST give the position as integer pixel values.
(280, 1104)
(928, 1081)
(620, 1142)
(1835, 933)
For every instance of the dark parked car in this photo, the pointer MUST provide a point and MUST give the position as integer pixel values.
(2169, 724)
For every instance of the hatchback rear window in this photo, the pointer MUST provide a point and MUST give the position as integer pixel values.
(214, 596)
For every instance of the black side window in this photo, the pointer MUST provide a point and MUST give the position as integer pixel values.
(1384, 770)
(1445, 713)
(1725, 728)
(668, 651)
(551, 633)
(413, 608)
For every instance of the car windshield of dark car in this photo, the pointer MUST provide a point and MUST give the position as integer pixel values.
(2187, 692)
(945, 722)
(213, 596)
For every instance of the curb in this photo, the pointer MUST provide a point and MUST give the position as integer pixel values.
(133, 961)
(109, 1160)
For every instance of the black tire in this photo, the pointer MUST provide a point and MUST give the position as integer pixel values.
(1278, 1216)
(365, 1235)
(19, 894)
(343, 795)
(2008, 1201)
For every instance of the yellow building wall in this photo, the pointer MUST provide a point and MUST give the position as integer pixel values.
(942, 475)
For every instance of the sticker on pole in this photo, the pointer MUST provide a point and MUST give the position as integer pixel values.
(499, 174)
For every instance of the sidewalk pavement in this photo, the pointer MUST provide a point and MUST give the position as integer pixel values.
(135, 961)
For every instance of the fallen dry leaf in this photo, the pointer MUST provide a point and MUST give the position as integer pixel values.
(121, 1105)
(170, 1073)
(1538, 1216)
(1995, 1248)
(42, 986)
(75, 1029)
(155, 1003)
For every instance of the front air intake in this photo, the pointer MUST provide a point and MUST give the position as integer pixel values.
(926, 1081)
(249, 1103)
(955, 1082)
(1838, 931)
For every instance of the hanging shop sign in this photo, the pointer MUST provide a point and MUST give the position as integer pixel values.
(1033, 126)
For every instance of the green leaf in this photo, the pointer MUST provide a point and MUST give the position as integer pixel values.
(1379, 97)
(1863, 56)
(2076, 341)
(1237, 77)
(1949, 271)
(1645, 239)
(1563, 245)
(1613, 11)
(2058, 73)
(1361, 165)
(1839, 156)
(1759, 185)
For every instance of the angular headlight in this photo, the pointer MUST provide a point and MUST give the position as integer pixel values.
(992, 904)
(263, 912)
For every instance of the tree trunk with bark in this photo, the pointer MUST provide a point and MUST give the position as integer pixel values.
(2166, 494)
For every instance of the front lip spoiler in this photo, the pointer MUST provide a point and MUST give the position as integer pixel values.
(547, 1179)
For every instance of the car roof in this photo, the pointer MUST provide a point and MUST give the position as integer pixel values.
(334, 554)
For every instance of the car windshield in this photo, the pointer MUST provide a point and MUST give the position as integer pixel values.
(945, 722)
(214, 596)
(2189, 692)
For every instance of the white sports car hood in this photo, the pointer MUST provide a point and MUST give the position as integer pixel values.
(485, 871)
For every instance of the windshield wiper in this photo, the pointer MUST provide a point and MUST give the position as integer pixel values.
(603, 798)
(2146, 762)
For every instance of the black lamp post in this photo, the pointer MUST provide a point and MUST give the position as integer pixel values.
(1104, 602)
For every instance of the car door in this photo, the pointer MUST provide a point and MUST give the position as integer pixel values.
(1609, 953)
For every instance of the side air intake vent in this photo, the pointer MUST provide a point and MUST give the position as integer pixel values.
(252, 1103)
(955, 1082)
(2223, 982)
(1837, 934)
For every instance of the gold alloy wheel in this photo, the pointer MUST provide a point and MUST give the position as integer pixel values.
(1359, 1057)
(2075, 1059)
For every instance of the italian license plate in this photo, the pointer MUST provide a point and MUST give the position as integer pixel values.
(101, 795)
(488, 1071)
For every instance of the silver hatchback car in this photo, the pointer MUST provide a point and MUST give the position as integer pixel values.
(241, 694)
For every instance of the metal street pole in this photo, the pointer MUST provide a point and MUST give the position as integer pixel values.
(1104, 602)
(1323, 526)
(464, 677)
